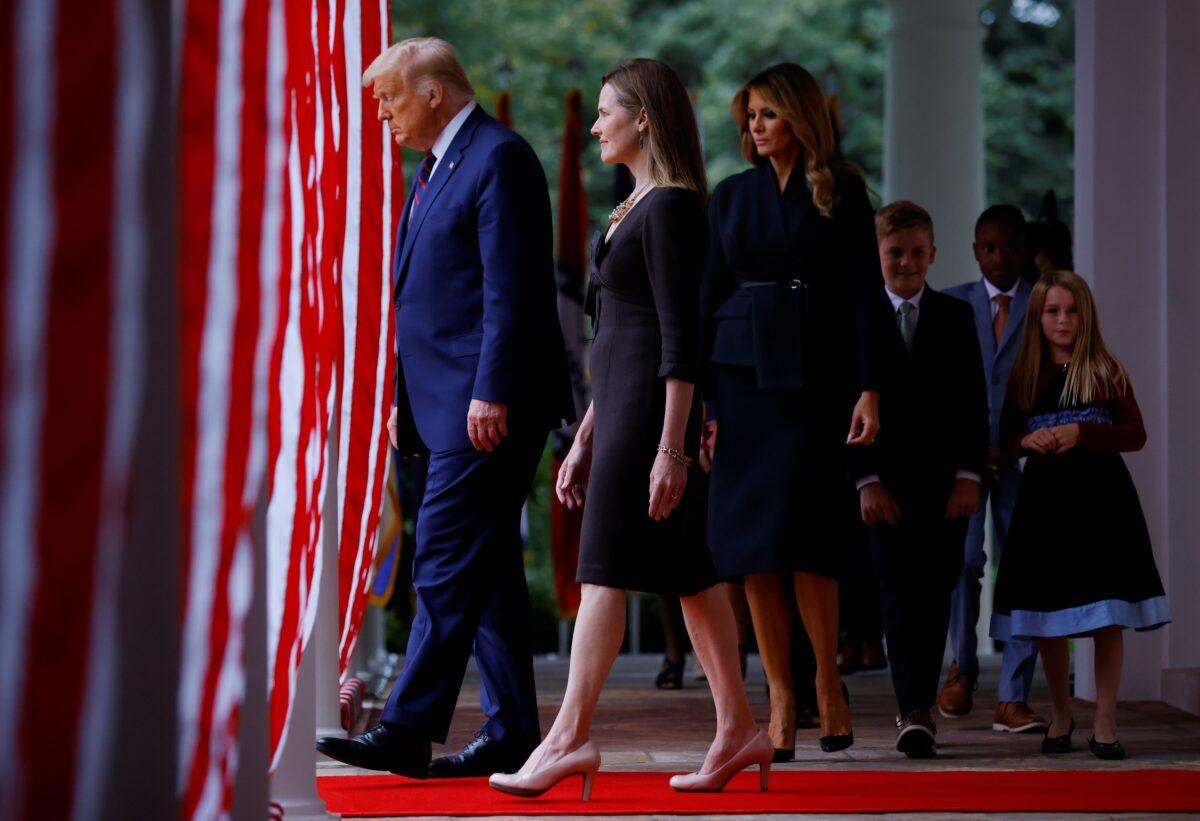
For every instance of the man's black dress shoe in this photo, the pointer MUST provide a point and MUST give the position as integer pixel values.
(1109, 751)
(381, 749)
(483, 756)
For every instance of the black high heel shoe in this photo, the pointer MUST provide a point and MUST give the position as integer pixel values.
(837, 743)
(1108, 751)
(1056, 745)
(670, 677)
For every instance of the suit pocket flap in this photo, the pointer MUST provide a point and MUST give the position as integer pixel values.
(735, 306)
(467, 344)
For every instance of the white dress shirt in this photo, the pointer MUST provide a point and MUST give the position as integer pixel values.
(897, 301)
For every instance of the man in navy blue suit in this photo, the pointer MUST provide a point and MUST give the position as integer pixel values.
(481, 380)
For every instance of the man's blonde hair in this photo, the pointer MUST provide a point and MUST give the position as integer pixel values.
(421, 61)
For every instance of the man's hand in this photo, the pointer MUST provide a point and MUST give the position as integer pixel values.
(995, 461)
(964, 498)
(391, 426)
(487, 424)
(708, 445)
(864, 424)
(878, 505)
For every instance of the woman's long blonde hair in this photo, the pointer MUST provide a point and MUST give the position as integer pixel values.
(673, 139)
(1093, 374)
(797, 98)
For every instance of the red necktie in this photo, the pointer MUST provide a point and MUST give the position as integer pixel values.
(1003, 301)
(422, 183)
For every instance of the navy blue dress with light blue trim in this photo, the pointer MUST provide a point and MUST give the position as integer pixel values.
(1078, 555)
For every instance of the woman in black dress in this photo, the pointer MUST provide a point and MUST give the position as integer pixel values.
(633, 457)
(793, 305)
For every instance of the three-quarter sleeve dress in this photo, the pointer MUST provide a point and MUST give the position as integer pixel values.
(644, 303)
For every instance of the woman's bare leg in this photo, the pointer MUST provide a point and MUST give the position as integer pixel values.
(599, 630)
(711, 625)
(817, 600)
(771, 613)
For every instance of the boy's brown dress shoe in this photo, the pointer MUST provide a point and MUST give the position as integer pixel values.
(1016, 717)
(958, 693)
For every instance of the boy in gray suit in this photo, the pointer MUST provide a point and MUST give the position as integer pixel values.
(998, 299)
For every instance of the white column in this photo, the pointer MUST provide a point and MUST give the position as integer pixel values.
(1137, 170)
(315, 709)
(933, 123)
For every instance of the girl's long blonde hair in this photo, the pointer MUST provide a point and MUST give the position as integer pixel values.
(673, 138)
(796, 97)
(1093, 374)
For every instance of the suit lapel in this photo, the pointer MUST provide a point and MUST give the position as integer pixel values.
(774, 227)
(446, 167)
(1016, 312)
(401, 237)
(982, 307)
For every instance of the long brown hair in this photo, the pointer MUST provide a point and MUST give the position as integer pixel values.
(1093, 374)
(796, 97)
(672, 140)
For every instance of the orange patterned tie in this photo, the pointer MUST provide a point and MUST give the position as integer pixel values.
(1003, 301)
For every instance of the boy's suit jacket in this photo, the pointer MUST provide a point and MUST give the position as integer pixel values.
(998, 359)
(474, 293)
(932, 409)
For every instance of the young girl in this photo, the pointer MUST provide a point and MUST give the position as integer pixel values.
(1077, 561)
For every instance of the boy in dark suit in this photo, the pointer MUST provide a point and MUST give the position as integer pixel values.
(919, 482)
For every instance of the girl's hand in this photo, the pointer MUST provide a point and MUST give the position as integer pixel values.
(708, 445)
(864, 424)
(1040, 441)
(1065, 437)
(964, 499)
(668, 479)
(571, 484)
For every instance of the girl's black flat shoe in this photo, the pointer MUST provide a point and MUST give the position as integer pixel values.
(1055, 745)
(670, 677)
(1108, 752)
(783, 756)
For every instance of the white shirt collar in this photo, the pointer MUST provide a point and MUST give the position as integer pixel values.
(442, 144)
(897, 300)
(993, 291)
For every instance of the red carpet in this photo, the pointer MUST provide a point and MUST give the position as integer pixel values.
(824, 791)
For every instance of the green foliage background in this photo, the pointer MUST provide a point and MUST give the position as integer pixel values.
(540, 49)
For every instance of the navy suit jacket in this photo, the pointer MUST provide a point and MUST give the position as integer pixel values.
(474, 293)
(998, 359)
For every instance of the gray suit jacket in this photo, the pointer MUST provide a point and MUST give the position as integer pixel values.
(998, 358)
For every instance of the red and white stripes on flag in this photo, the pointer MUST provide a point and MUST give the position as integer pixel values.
(374, 185)
(73, 132)
(230, 165)
(334, 359)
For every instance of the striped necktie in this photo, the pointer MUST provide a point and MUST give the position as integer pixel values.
(422, 183)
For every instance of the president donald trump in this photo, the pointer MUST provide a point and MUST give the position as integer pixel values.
(481, 380)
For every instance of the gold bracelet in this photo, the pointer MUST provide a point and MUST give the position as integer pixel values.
(678, 455)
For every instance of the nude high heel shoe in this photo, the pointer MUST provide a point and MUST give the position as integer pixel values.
(583, 761)
(758, 751)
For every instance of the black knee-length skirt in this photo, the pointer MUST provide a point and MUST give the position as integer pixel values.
(778, 490)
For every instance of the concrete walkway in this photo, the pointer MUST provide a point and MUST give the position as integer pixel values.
(640, 728)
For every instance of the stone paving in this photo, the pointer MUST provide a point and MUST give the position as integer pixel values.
(640, 728)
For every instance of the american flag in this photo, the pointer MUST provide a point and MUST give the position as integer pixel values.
(75, 93)
(285, 188)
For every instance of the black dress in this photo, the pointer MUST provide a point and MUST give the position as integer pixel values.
(643, 300)
(794, 315)
(1078, 554)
